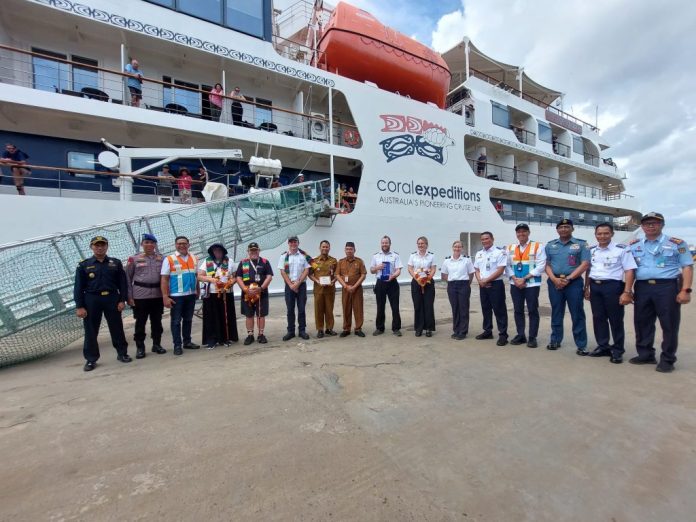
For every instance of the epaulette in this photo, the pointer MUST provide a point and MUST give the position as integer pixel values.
(633, 241)
(284, 253)
(676, 240)
(594, 246)
(429, 252)
(448, 257)
(621, 245)
(395, 252)
(414, 252)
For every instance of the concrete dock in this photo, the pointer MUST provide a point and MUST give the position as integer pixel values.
(373, 429)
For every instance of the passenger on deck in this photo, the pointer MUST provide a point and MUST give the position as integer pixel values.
(134, 82)
(481, 164)
(499, 207)
(17, 159)
(237, 109)
(184, 184)
(202, 178)
(215, 97)
(164, 182)
(276, 183)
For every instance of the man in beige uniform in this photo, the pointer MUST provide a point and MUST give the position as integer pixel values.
(323, 273)
(350, 274)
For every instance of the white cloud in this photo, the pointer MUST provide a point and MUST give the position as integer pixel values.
(631, 59)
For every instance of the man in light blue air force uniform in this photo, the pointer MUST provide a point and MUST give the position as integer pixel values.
(663, 283)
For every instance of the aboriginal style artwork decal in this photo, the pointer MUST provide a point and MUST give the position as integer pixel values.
(416, 136)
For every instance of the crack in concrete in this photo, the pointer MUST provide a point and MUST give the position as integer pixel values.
(375, 365)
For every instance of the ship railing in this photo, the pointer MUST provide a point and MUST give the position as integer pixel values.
(624, 223)
(524, 136)
(593, 160)
(509, 88)
(72, 78)
(561, 149)
(37, 310)
(530, 179)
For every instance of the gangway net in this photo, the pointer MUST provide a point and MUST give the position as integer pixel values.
(37, 309)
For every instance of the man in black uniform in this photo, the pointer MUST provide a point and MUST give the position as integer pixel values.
(101, 288)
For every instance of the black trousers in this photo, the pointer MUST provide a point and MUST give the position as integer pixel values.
(148, 309)
(493, 302)
(658, 301)
(459, 293)
(387, 290)
(106, 305)
(423, 306)
(530, 296)
(608, 313)
(237, 113)
(296, 299)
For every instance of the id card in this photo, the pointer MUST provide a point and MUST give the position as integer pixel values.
(257, 278)
(572, 260)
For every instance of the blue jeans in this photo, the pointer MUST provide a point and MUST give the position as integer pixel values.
(298, 299)
(573, 295)
(182, 312)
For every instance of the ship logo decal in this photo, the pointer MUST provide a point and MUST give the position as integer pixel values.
(417, 136)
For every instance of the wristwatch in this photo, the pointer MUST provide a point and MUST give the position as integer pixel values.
(687, 290)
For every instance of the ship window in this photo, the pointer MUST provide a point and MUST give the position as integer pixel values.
(50, 75)
(530, 212)
(245, 16)
(190, 100)
(263, 114)
(594, 218)
(549, 213)
(577, 145)
(81, 160)
(210, 10)
(545, 133)
(501, 115)
(84, 74)
(566, 215)
(507, 209)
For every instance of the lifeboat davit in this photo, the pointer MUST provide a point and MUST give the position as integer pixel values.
(356, 45)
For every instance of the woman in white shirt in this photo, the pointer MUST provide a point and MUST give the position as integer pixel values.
(458, 271)
(422, 270)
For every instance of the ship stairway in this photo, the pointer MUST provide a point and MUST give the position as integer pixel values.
(37, 310)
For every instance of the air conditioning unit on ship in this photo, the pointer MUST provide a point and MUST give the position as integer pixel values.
(318, 127)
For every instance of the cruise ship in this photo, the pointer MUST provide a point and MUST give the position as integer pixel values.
(443, 145)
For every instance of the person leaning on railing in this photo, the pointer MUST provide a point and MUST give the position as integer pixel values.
(134, 82)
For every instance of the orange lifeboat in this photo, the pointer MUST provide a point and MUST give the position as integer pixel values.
(356, 45)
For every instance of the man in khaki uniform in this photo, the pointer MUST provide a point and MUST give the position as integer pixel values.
(323, 273)
(350, 274)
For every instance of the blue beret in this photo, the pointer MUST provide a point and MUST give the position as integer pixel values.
(149, 237)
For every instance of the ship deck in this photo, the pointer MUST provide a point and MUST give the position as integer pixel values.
(351, 429)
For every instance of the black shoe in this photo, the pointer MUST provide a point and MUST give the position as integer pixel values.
(582, 351)
(192, 346)
(600, 352)
(532, 343)
(665, 367)
(178, 350)
(304, 335)
(460, 337)
(419, 333)
(125, 358)
(453, 336)
(553, 346)
(639, 360)
(288, 336)
(89, 366)
(378, 332)
(518, 339)
(616, 359)
(346, 333)
(359, 333)
(262, 339)
(502, 341)
(397, 333)
(484, 335)
(320, 334)
(330, 333)
(428, 333)
(156, 348)
(140, 353)
(249, 339)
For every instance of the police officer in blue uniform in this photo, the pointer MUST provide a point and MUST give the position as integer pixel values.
(101, 289)
(663, 283)
(567, 258)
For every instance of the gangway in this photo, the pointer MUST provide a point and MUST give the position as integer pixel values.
(37, 310)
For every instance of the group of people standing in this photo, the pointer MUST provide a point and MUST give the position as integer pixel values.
(654, 273)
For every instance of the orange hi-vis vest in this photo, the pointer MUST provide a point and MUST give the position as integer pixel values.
(182, 275)
(522, 262)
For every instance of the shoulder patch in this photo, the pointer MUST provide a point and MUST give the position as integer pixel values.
(676, 240)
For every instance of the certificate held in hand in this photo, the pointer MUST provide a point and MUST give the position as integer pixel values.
(386, 271)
